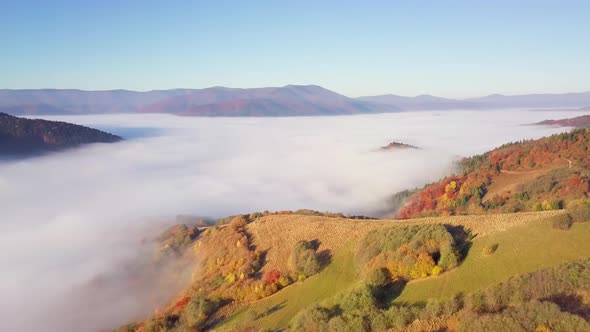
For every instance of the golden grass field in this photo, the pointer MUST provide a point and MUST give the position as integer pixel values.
(278, 233)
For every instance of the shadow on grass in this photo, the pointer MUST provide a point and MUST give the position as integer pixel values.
(275, 308)
(463, 239)
(386, 294)
(573, 304)
(324, 256)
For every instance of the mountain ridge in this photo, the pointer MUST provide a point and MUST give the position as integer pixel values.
(288, 100)
(429, 102)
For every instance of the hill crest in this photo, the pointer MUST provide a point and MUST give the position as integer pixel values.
(288, 100)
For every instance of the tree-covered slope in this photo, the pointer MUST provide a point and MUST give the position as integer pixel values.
(544, 174)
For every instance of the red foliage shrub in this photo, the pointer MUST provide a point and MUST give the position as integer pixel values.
(180, 304)
(272, 276)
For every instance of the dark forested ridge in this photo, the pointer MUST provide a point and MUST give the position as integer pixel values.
(19, 136)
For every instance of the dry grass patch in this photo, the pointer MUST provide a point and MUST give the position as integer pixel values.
(510, 181)
(486, 224)
(278, 234)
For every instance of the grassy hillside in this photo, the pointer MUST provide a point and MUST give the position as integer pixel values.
(222, 300)
(523, 249)
(521, 241)
(278, 309)
(257, 247)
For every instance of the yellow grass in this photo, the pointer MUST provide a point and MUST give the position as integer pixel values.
(523, 249)
(278, 234)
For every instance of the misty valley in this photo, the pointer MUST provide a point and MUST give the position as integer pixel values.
(102, 209)
(294, 166)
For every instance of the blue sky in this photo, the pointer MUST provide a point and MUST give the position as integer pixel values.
(447, 48)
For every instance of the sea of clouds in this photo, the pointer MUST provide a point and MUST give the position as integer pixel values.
(70, 216)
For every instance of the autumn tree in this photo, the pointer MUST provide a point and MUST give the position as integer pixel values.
(304, 259)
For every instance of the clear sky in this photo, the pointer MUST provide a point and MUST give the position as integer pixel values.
(446, 48)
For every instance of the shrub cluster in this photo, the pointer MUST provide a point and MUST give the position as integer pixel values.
(409, 252)
(488, 250)
(532, 316)
(177, 238)
(361, 310)
(579, 213)
(562, 222)
(304, 259)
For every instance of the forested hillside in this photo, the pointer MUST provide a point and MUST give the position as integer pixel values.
(545, 174)
(19, 136)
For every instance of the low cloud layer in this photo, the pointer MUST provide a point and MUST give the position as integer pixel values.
(71, 216)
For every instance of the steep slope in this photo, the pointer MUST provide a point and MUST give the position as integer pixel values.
(544, 174)
(20, 136)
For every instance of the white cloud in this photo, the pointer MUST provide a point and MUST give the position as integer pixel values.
(67, 217)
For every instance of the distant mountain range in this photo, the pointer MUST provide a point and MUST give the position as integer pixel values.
(290, 100)
(427, 102)
(19, 136)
